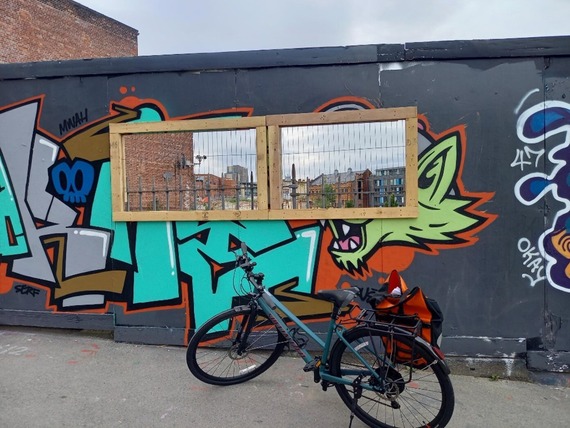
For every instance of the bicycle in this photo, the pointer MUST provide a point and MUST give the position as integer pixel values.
(364, 363)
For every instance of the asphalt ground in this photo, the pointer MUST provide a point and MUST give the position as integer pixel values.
(65, 378)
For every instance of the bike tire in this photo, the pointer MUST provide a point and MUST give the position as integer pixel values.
(415, 393)
(213, 357)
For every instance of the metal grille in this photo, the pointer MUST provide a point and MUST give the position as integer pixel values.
(208, 170)
(344, 165)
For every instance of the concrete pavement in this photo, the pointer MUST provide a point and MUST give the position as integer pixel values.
(63, 378)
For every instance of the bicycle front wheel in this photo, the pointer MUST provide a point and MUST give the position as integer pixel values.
(412, 391)
(233, 347)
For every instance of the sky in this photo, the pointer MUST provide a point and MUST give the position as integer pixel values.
(314, 149)
(192, 26)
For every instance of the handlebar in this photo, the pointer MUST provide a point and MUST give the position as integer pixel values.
(243, 261)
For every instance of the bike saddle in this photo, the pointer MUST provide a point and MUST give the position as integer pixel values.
(340, 297)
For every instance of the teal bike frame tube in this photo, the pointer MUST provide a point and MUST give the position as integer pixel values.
(369, 369)
(269, 304)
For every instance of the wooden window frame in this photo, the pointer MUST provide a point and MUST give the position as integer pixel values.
(276, 122)
(118, 130)
(268, 167)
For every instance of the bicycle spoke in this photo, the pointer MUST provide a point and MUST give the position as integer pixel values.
(223, 352)
(402, 394)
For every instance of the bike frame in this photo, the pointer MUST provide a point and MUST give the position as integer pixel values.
(270, 305)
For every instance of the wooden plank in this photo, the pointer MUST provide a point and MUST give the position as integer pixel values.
(274, 214)
(351, 116)
(262, 169)
(188, 125)
(81, 321)
(117, 172)
(411, 162)
(343, 213)
(275, 173)
(232, 215)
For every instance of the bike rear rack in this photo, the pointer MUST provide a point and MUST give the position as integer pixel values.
(406, 325)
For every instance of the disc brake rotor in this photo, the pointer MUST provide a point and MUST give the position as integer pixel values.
(234, 353)
(391, 382)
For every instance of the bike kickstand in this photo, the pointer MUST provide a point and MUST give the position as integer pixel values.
(357, 391)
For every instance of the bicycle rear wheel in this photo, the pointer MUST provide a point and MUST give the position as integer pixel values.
(415, 392)
(232, 347)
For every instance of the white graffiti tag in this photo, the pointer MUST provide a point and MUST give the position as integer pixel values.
(532, 260)
(535, 126)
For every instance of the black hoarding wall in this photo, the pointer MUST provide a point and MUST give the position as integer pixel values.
(493, 175)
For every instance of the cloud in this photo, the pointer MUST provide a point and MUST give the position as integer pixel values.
(314, 149)
(223, 149)
(180, 26)
(326, 149)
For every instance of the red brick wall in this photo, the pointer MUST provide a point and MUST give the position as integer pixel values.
(152, 162)
(46, 30)
(157, 178)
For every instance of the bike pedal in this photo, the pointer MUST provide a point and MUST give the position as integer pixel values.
(312, 365)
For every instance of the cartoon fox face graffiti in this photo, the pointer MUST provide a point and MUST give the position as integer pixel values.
(447, 214)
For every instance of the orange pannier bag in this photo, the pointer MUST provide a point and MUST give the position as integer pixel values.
(406, 311)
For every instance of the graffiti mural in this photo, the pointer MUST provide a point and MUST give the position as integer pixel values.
(544, 122)
(448, 215)
(58, 236)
